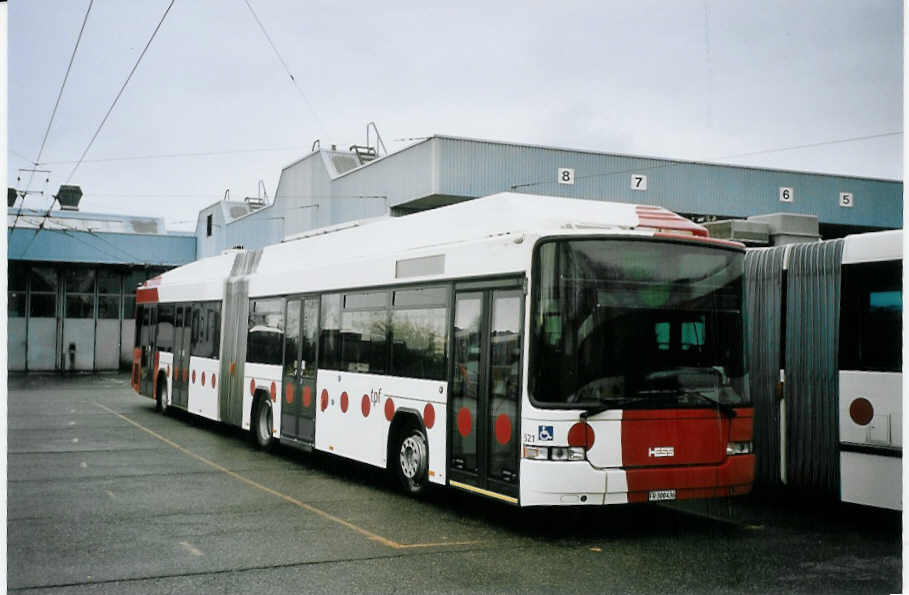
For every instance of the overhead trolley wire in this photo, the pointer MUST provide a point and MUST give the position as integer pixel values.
(820, 144)
(54, 111)
(120, 92)
(284, 64)
(104, 120)
(178, 155)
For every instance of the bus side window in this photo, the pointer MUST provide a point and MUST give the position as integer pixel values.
(871, 317)
(364, 333)
(197, 348)
(166, 327)
(419, 333)
(265, 341)
(329, 337)
(213, 313)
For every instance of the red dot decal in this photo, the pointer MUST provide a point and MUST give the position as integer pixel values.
(861, 411)
(185, 374)
(289, 393)
(203, 378)
(581, 434)
(252, 386)
(503, 429)
(429, 416)
(389, 409)
(213, 381)
(307, 396)
(273, 391)
(194, 376)
(364, 405)
(465, 421)
(344, 402)
(324, 399)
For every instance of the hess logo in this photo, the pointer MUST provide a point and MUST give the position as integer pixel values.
(661, 451)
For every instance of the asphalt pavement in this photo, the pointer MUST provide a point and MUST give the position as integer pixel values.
(107, 496)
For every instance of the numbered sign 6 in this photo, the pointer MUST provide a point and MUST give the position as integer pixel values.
(847, 200)
(638, 182)
(786, 194)
(566, 175)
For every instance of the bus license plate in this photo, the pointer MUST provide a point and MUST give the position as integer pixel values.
(658, 495)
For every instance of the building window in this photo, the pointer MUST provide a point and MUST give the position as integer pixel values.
(80, 293)
(109, 281)
(208, 226)
(43, 302)
(17, 280)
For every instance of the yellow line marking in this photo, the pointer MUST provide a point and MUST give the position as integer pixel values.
(110, 493)
(192, 550)
(471, 488)
(326, 515)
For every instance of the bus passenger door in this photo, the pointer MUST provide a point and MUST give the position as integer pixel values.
(298, 418)
(485, 392)
(147, 336)
(182, 330)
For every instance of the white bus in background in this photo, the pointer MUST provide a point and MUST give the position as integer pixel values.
(536, 350)
(870, 370)
(835, 424)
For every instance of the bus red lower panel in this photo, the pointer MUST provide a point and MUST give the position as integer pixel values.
(733, 477)
(137, 368)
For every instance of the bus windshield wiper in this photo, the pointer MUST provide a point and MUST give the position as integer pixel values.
(722, 407)
(612, 404)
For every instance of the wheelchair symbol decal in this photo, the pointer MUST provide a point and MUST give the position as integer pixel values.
(544, 433)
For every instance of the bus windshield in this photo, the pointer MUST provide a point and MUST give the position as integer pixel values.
(623, 323)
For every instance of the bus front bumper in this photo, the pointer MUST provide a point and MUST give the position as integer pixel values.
(561, 483)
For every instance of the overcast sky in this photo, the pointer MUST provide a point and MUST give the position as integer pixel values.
(696, 80)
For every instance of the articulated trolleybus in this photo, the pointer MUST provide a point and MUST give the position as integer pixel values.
(536, 350)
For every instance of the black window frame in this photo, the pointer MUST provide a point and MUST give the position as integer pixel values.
(860, 336)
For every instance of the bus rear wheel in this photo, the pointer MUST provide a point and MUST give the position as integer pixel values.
(262, 424)
(161, 397)
(412, 460)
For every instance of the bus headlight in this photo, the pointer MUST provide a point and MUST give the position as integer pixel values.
(555, 453)
(739, 448)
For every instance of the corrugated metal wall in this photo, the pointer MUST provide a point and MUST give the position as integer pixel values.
(477, 168)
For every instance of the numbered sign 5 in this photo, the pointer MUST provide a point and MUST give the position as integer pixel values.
(847, 200)
(786, 194)
(566, 175)
(638, 182)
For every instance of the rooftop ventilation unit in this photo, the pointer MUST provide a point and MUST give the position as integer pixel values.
(69, 197)
(255, 202)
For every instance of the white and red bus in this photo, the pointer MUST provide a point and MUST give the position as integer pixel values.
(536, 350)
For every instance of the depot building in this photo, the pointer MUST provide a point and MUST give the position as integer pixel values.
(72, 275)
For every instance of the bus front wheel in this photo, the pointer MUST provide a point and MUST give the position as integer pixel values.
(412, 460)
(161, 397)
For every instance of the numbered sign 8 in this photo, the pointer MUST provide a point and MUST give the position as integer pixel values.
(847, 200)
(566, 175)
(638, 182)
(786, 194)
